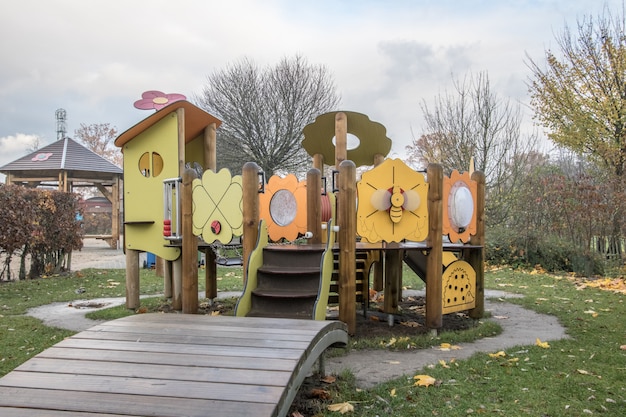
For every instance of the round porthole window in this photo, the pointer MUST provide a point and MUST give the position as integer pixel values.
(460, 206)
(283, 207)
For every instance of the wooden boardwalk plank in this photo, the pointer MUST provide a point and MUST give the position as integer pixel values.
(214, 331)
(145, 387)
(40, 403)
(180, 359)
(155, 347)
(219, 339)
(156, 371)
(169, 365)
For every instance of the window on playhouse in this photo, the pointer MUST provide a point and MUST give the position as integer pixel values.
(150, 164)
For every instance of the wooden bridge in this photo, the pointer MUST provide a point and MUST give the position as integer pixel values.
(171, 365)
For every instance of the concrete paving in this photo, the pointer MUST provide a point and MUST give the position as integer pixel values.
(521, 327)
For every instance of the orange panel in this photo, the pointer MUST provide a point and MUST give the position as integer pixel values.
(459, 207)
(283, 207)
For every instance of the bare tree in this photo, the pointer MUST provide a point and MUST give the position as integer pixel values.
(473, 123)
(264, 111)
(99, 139)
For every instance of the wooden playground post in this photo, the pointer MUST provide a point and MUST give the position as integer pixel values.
(318, 162)
(177, 285)
(314, 205)
(132, 279)
(346, 220)
(250, 184)
(393, 279)
(189, 248)
(167, 279)
(210, 147)
(434, 301)
(341, 138)
(177, 264)
(210, 162)
(476, 256)
(115, 213)
(378, 283)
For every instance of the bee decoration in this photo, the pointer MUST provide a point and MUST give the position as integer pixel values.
(392, 203)
(395, 200)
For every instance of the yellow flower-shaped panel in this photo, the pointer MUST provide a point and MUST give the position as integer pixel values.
(283, 207)
(392, 204)
(217, 206)
(372, 138)
(459, 207)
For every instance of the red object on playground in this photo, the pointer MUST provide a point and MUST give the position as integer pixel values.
(216, 227)
(167, 227)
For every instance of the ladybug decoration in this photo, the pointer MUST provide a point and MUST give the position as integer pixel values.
(216, 227)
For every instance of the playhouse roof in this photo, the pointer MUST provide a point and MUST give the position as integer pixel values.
(63, 155)
(196, 120)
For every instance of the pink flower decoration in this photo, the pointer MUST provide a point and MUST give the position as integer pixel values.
(41, 157)
(157, 100)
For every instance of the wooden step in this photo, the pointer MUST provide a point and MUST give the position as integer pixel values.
(287, 282)
(292, 255)
(280, 293)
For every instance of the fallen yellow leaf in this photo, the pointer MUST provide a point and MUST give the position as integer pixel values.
(443, 363)
(541, 344)
(341, 407)
(391, 342)
(393, 392)
(447, 346)
(500, 354)
(424, 380)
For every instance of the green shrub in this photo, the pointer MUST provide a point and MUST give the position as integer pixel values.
(526, 250)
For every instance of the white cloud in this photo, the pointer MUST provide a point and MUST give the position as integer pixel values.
(95, 58)
(15, 146)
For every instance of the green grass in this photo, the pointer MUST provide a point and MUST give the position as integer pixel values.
(583, 375)
(22, 337)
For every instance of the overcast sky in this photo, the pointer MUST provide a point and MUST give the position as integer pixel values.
(94, 58)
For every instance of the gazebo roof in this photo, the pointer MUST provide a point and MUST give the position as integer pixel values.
(64, 155)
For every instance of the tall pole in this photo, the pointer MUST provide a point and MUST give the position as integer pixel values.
(434, 300)
(189, 248)
(347, 244)
(250, 182)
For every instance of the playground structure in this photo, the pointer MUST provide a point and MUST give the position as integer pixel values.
(173, 211)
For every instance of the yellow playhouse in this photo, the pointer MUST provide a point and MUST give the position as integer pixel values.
(157, 149)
